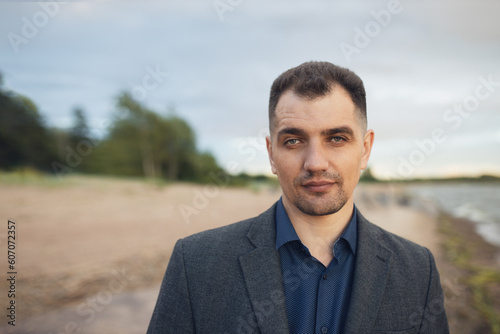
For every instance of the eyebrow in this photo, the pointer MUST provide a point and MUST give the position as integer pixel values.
(340, 130)
(291, 131)
(325, 133)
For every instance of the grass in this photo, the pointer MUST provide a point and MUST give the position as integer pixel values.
(478, 278)
(29, 176)
(26, 176)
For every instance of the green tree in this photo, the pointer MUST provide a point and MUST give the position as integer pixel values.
(367, 176)
(24, 139)
(80, 130)
(142, 142)
(144, 126)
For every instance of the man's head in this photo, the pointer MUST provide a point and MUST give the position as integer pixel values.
(315, 79)
(318, 143)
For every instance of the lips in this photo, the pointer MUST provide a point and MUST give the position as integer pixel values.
(318, 185)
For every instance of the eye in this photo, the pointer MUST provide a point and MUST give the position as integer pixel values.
(337, 139)
(291, 142)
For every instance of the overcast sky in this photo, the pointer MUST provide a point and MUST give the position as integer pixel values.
(431, 70)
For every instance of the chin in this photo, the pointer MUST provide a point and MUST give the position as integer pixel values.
(324, 208)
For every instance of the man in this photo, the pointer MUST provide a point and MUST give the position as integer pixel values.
(311, 263)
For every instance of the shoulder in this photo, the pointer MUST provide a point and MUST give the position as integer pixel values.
(236, 238)
(410, 267)
(234, 232)
(408, 274)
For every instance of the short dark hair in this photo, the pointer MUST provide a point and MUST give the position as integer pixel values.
(315, 79)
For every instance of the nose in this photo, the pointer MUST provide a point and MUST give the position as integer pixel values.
(316, 158)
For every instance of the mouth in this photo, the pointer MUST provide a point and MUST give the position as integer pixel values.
(317, 186)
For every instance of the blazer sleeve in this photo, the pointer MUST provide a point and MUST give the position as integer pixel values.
(173, 313)
(434, 319)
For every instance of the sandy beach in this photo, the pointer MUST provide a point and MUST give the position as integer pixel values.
(91, 251)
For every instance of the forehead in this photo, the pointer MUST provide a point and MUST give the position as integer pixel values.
(332, 110)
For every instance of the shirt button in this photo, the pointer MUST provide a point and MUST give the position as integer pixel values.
(325, 276)
(324, 330)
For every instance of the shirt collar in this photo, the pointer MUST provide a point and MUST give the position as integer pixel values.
(286, 233)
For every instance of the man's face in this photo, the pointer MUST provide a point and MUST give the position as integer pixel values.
(318, 149)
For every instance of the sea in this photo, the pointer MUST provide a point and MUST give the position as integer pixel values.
(478, 202)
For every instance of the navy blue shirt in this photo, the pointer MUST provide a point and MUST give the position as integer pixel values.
(316, 297)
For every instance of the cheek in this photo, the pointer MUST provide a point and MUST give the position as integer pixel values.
(284, 172)
(344, 158)
(287, 162)
(349, 164)
(287, 169)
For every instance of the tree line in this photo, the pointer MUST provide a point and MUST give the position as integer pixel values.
(138, 142)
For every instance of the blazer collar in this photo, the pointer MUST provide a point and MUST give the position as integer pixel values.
(263, 230)
(262, 273)
(373, 262)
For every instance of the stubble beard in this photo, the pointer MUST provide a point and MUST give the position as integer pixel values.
(325, 203)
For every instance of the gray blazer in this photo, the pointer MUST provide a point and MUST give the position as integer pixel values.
(228, 280)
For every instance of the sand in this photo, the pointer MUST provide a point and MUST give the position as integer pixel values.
(91, 251)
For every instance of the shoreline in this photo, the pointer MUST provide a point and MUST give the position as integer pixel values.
(481, 228)
(470, 277)
(484, 218)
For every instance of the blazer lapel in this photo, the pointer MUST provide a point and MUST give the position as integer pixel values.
(262, 272)
(373, 262)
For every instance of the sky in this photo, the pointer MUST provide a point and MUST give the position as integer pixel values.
(431, 70)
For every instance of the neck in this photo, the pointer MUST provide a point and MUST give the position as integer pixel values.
(319, 233)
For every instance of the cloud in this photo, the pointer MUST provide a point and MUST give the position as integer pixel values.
(220, 72)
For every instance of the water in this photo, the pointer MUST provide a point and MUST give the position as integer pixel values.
(478, 202)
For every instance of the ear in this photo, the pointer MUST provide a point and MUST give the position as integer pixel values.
(367, 147)
(270, 153)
